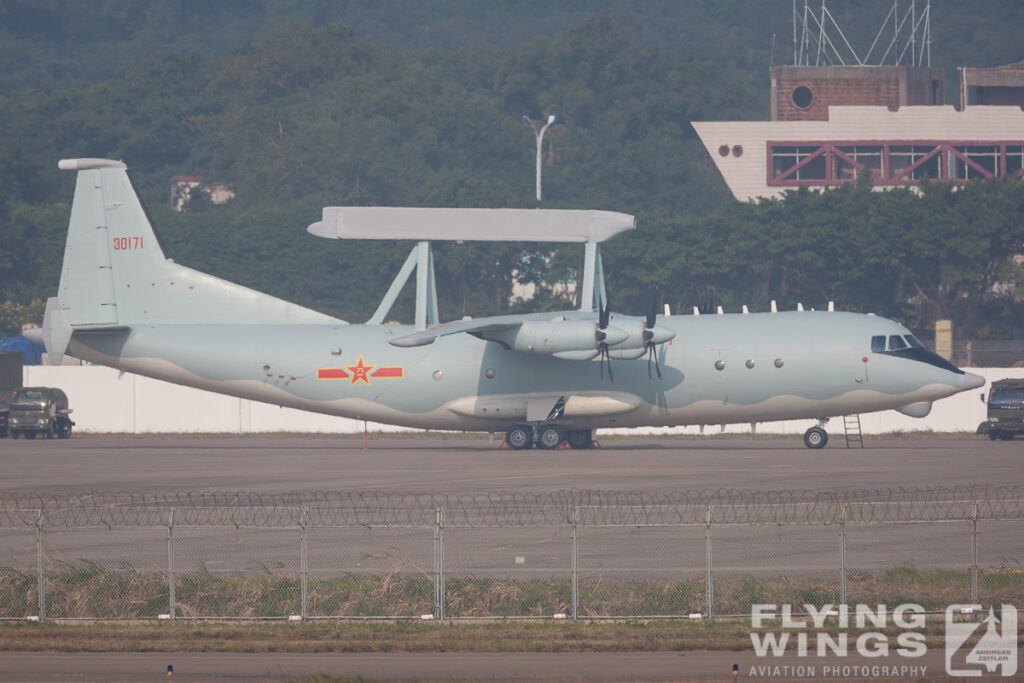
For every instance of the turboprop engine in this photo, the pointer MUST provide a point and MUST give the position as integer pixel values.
(642, 335)
(568, 339)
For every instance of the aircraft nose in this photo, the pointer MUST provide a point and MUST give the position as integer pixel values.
(972, 381)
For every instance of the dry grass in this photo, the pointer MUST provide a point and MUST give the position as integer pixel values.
(384, 636)
(84, 590)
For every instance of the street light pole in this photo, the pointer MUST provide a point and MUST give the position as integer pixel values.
(540, 141)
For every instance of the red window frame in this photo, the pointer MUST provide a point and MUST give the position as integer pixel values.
(944, 149)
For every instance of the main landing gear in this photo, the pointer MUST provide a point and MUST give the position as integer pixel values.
(547, 436)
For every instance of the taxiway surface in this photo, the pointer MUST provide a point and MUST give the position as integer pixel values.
(467, 465)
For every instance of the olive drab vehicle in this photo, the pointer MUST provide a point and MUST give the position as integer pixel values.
(1005, 417)
(10, 379)
(40, 410)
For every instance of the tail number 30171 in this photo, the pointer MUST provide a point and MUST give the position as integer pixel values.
(127, 243)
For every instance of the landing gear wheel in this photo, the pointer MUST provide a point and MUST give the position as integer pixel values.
(519, 437)
(580, 438)
(815, 437)
(550, 436)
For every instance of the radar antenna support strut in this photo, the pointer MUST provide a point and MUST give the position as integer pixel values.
(595, 296)
(420, 259)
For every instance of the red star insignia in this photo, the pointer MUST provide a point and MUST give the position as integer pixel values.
(360, 372)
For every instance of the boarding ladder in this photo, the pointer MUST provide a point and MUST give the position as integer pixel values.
(851, 424)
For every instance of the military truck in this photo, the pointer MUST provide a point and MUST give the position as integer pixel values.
(1005, 410)
(40, 410)
(10, 379)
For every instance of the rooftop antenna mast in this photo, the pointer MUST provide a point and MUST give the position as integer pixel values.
(904, 38)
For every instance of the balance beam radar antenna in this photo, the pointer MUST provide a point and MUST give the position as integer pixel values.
(426, 225)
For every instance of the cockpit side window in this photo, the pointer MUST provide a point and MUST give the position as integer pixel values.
(896, 342)
(878, 343)
(914, 342)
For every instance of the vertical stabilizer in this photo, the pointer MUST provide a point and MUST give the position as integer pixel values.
(87, 281)
(116, 274)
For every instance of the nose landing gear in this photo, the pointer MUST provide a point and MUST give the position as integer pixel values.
(815, 437)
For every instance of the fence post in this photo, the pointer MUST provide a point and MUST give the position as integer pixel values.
(974, 555)
(304, 564)
(40, 566)
(842, 554)
(575, 563)
(170, 563)
(709, 583)
(439, 564)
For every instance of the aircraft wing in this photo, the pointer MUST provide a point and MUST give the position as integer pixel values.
(476, 327)
(570, 335)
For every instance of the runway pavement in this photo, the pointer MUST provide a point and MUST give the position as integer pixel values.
(471, 465)
(589, 666)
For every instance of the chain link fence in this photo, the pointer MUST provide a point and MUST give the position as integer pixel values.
(567, 554)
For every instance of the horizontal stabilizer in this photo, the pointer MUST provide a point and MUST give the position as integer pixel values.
(490, 225)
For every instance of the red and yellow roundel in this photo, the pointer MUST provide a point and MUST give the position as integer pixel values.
(360, 372)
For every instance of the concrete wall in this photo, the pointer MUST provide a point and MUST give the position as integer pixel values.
(106, 401)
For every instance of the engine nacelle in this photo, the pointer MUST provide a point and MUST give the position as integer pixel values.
(577, 355)
(556, 336)
(639, 338)
(626, 354)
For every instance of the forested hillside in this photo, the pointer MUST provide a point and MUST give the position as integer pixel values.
(294, 109)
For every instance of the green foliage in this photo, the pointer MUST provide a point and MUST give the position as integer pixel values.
(314, 112)
(14, 316)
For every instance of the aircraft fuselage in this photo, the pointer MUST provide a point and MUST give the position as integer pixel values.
(719, 369)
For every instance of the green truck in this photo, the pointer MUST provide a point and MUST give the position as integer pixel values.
(39, 410)
(10, 379)
(1005, 410)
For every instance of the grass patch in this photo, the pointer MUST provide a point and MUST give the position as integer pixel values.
(86, 590)
(384, 636)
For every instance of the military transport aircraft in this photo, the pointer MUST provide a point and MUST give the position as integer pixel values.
(546, 379)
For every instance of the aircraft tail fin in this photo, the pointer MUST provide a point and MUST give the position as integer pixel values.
(116, 274)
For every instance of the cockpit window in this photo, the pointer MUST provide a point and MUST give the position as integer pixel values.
(910, 347)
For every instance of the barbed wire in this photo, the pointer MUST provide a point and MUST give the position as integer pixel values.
(585, 507)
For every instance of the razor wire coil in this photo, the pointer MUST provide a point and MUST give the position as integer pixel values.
(558, 508)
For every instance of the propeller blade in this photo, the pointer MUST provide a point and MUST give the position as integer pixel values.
(652, 315)
(606, 359)
(653, 354)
